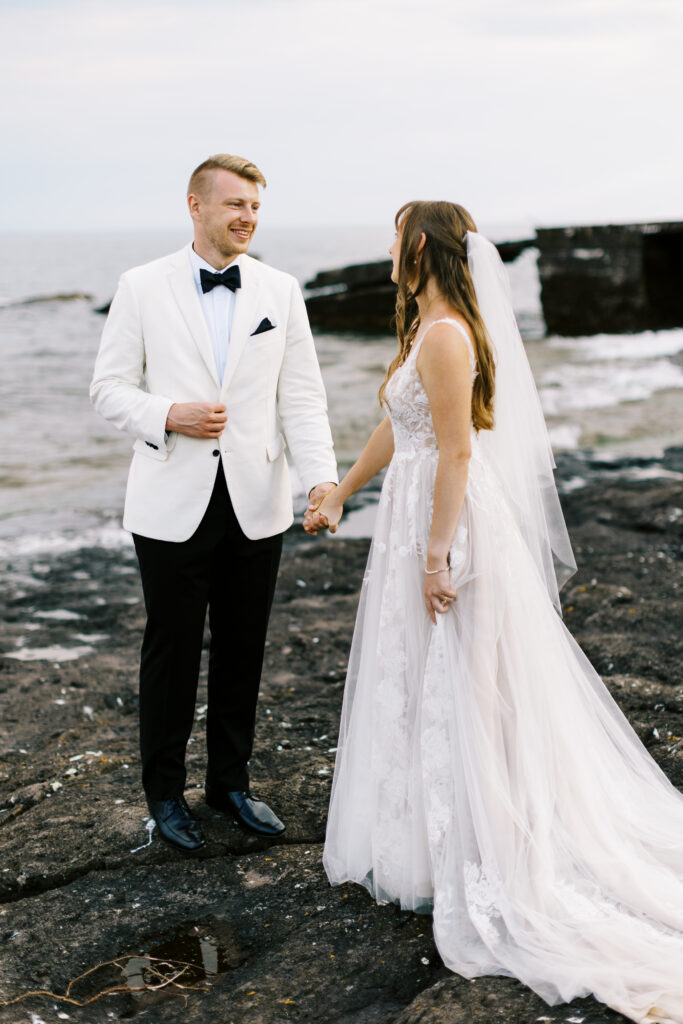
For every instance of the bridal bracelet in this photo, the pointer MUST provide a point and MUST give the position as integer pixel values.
(432, 572)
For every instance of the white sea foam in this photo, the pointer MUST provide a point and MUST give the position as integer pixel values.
(578, 386)
(651, 473)
(55, 653)
(565, 435)
(58, 614)
(109, 536)
(574, 483)
(645, 345)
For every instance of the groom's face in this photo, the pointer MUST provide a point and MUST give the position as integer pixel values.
(225, 213)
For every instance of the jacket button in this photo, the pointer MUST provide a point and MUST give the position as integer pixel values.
(215, 452)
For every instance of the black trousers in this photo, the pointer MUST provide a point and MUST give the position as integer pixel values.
(219, 568)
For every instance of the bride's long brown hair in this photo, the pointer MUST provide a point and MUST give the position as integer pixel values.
(443, 258)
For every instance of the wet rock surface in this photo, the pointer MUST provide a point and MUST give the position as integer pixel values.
(611, 277)
(250, 931)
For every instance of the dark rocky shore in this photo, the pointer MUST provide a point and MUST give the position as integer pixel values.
(251, 932)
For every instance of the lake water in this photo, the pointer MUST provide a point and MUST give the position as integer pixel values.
(63, 469)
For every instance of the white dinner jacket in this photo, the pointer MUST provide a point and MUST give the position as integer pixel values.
(272, 390)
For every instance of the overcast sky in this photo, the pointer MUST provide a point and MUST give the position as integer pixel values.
(547, 111)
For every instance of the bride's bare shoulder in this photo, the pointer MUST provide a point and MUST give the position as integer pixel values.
(446, 342)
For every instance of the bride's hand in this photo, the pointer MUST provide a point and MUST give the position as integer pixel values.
(438, 593)
(330, 511)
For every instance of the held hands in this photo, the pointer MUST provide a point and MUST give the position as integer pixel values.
(438, 593)
(197, 419)
(323, 512)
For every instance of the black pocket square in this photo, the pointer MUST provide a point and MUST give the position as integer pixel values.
(264, 326)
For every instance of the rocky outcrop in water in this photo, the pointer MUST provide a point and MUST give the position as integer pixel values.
(361, 298)
(602, 279)
(250, 932)
(611, 278)
(32, 300)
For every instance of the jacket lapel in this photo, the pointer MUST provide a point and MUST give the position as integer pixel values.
(182, 284)
(246, 304)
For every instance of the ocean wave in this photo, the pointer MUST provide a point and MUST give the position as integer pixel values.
(57, 653)
(576, 386)
(110, 536)
(564, 435)
(599, 347)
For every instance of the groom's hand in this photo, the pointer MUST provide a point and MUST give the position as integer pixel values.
(197, 419)
(312, 521)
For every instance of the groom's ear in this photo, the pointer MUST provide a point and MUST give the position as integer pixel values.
(193, 205)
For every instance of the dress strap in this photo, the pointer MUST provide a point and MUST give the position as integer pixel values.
(454, 323)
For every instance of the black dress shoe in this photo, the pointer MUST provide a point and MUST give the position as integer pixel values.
(176, 825)
(253, 815)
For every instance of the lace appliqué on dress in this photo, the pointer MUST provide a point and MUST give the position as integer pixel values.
(482, 892)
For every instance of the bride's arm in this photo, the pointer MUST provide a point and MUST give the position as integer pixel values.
(375, 456)
(444, 366)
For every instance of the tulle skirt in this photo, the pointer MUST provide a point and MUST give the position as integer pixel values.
(485, 774)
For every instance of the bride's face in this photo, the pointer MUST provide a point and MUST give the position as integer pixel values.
(395, 253)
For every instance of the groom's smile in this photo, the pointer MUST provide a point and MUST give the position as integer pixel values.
(240, 236)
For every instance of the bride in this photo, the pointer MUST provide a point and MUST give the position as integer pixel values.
(484, 773)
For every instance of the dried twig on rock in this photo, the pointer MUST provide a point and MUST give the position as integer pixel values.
(171, 981)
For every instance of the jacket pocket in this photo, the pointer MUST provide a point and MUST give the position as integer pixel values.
(151, 451)
(275, 448)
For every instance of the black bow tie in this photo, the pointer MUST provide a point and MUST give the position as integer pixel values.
(230, 278)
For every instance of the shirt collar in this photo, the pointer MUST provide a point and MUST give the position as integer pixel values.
(198, 264)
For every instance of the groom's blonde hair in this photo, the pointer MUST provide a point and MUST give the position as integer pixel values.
(223, 162)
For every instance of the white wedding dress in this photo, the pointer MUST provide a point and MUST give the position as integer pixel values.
(484, 772)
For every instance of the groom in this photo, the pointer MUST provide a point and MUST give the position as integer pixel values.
(207, 360)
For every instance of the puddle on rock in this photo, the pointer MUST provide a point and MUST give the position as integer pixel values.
(200, 953)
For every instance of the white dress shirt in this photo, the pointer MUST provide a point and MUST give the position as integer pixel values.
(218, 307)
